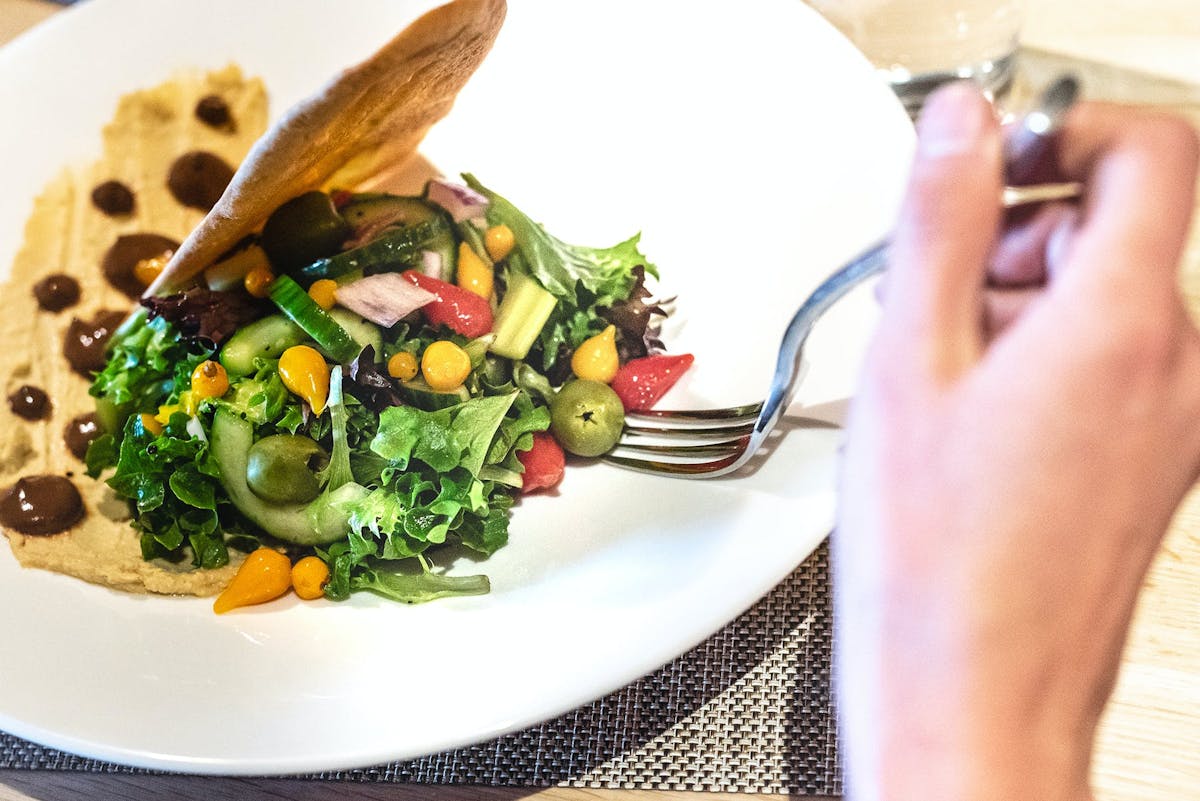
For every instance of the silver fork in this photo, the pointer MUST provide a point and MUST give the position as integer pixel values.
(706, 443)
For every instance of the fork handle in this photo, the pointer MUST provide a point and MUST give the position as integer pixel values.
(867, 264)
(791, 350)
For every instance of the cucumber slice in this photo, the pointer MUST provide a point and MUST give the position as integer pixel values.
(267, 338)
(522, 315)
(446, 247)
(394, 248)
(419, 394)
(231, 441)
(363, 331)
(304, 312)
(371, 212)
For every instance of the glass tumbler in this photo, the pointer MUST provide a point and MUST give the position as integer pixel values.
(917, 45)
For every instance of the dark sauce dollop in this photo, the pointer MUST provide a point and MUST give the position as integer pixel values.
(126, 252)
(56, 292)
(86, 341)
(30, 403)
(198, 179)
(213, 111)
(80, 433)
(113, 198)
(40, 505)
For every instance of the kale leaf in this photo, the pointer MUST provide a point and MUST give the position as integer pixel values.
(173, 485)
(148, 368)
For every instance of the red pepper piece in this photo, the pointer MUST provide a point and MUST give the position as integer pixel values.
(461, 311)
(544, 463)
(640, 383)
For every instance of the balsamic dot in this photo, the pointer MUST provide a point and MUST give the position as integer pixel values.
(113, 198)
(213, 111)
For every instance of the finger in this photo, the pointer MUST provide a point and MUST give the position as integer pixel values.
(1139, 170)
(1061, 240)
(1020, 258)
(1004, 306)
(946, 229)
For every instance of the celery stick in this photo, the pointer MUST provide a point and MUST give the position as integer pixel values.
(523, 312)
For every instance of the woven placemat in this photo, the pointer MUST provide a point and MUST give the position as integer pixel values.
(749, 710)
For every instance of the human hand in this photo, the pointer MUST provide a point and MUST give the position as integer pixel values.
(1027, 422)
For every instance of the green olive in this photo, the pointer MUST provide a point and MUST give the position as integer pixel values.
(586, 417)
(283, 468)
(302, 230)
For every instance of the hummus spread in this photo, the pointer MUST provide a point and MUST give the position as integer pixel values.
(69, 233)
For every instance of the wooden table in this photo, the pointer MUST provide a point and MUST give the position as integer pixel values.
(1150, 742)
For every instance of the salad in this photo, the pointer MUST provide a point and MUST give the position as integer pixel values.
(367, 380)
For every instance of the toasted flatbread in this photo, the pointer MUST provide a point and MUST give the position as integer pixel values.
(370, 117)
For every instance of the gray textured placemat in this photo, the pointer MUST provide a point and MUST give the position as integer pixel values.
(750, 709)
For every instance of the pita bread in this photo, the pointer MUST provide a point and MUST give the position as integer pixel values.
(370, 117)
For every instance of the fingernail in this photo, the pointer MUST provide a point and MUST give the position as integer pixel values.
(951, 122)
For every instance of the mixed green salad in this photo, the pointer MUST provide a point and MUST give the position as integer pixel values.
(370, 378)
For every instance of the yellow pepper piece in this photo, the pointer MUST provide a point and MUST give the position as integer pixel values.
(402, 365)
(499, 241)
(151, 424)
(305, 374)
(264, 576)
(146, 270)
(596, 358)
(473, 274)
(445, 366)
(209, 380)
(258, 281)
(165, 412)
(309, 577)
(323, 293)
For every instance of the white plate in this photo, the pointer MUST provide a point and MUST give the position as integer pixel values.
(755, 150)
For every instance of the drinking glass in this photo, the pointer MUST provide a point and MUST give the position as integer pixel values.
(917, 45)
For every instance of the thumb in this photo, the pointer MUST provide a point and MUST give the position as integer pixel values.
(946, 231)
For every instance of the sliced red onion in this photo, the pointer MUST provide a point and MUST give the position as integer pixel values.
(431, 263)
(384, 299)
(462, 202)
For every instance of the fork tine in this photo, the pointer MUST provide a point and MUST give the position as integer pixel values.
(663, 468)
(692, 424)
(688, 432)
(708, 450)
(732, 415)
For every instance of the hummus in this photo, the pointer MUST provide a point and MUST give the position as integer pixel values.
(168, 158)
(68, 233)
